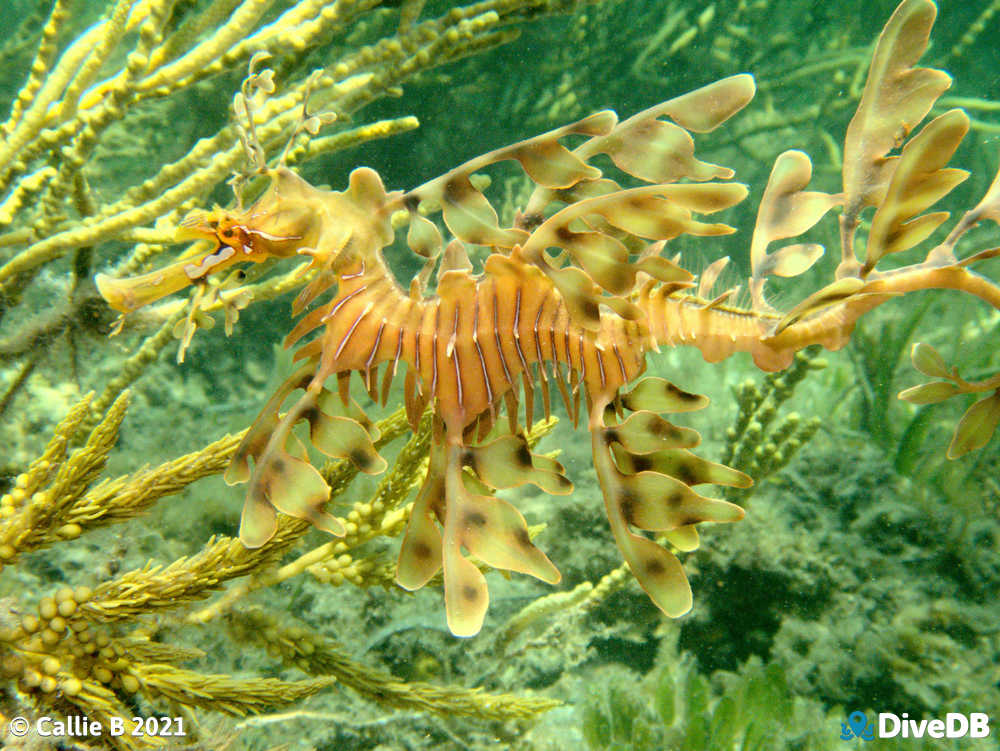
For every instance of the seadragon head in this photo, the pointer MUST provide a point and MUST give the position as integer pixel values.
(290, 218)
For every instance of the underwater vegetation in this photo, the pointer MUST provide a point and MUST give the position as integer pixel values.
(499, 283)
(675, 706)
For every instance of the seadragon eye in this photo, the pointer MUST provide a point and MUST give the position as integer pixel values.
(233, 235)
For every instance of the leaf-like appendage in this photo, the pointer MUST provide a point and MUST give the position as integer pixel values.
(663, 270)
(644, 432)
(471, 217)
(366, 192)
(659, 152)
(256, 439)
(919, 180)
(660, 503)
(657, 570)
(667, 214)
(552, 165)
(979, 422)
(580, 295)
(466, 596)
(987, 208)
(285, 483)
(786, 210)
(469, 214)
(604, 259)
(705, 109)
(647, 485)
(420, 555)
(658, 395)
(423, 236)
(976, 426)
(684, 539)
(456, 493)
(656, 151)
(829, 295)
(496, 533)
(896, 98)
(687, 467)
(659, 573)
(929, 393)
(344, 438)
(792, 260)
(654, 212)
(928, 361)
(259, 520)
(507, 462)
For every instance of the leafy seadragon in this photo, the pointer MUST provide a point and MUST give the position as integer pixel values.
(584, 317)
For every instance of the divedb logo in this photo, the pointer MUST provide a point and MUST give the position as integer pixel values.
(889, 725)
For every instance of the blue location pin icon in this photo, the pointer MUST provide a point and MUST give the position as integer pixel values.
(858, 723)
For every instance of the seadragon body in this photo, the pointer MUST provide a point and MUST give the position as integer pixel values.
(577, 293)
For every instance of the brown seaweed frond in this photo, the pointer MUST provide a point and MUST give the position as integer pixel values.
(316, 655)
(980, 420)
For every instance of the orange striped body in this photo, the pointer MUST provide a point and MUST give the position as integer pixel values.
(471, 343)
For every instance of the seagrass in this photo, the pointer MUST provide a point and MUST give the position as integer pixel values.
(575, 294)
